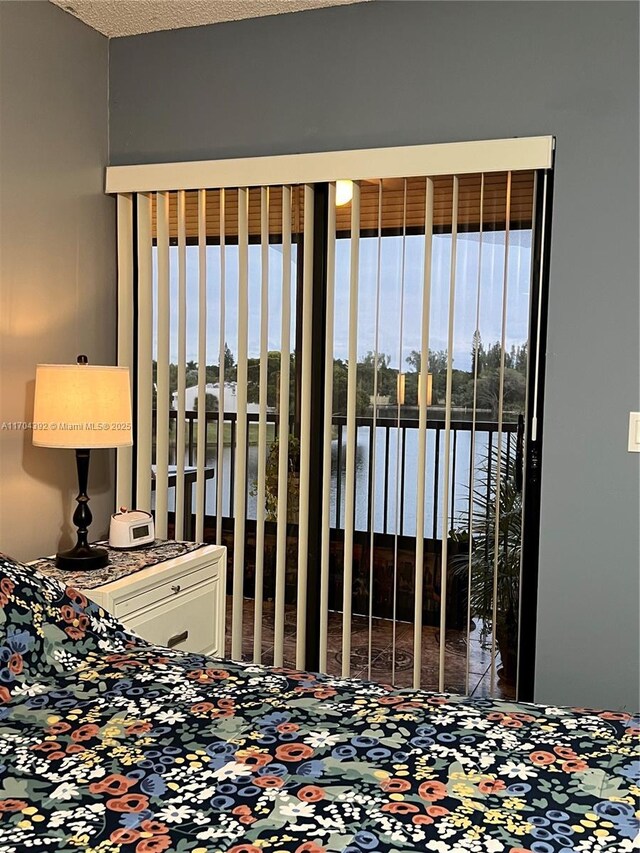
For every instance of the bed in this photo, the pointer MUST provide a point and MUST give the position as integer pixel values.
(109, 744)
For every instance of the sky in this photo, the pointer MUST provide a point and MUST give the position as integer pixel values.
(395, 296)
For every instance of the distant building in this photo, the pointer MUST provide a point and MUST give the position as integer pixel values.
(213, 388)
(380, 400)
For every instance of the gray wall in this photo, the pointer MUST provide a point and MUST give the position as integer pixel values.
(57, 256)
(391, 73)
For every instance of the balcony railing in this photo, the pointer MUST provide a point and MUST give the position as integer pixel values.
(386, 505)
(391, 544)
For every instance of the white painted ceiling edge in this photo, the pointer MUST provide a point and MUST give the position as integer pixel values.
(114, 18)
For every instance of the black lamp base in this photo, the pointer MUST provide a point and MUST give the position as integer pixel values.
(82, 558)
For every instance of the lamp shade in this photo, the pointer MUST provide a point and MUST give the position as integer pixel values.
(82, 406)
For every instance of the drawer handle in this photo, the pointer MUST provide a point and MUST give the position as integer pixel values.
(177, 639)
(176, 588)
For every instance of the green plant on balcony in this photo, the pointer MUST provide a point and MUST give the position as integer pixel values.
(490, 552)
(271, 480)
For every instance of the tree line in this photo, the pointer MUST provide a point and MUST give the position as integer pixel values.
(375, 373)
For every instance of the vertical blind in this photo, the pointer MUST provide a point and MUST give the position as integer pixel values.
(193, 257)
(215, 289)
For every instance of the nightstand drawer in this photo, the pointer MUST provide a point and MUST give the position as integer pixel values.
(185, 621)
(128, 605)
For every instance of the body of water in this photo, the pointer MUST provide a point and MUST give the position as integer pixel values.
(400, 492)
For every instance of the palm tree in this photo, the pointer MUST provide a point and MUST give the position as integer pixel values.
(488, 552)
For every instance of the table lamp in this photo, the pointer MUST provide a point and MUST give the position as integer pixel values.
(82, 407)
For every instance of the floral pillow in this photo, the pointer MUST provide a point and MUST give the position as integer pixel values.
(47, 629)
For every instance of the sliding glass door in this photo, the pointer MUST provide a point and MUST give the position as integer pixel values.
(444, 279)
(340, 378)
(233, 262)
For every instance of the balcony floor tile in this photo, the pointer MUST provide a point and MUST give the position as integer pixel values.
(382, 651)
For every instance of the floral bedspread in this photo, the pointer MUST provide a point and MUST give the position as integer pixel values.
(109, 744)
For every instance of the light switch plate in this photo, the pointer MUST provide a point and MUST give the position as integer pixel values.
(634, 432)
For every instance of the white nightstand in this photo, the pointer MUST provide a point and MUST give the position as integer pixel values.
(179, 603)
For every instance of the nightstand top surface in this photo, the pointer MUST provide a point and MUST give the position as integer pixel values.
(122, 563)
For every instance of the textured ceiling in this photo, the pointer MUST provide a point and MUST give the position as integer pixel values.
(130, 17)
